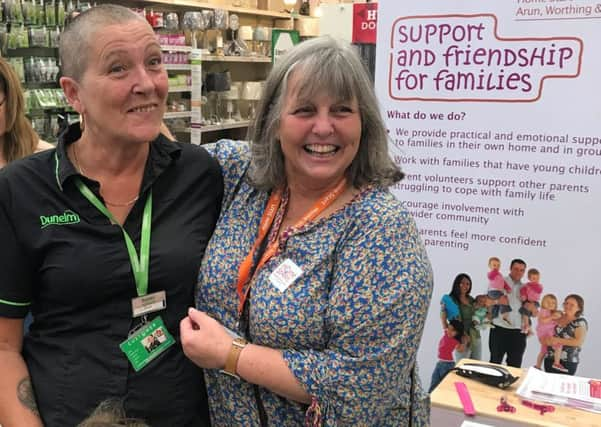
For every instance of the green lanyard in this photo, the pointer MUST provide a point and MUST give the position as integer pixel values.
(140, 266)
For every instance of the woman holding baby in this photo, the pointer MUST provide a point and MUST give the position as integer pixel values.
(570, 333)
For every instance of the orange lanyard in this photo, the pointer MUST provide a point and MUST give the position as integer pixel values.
(266, 221)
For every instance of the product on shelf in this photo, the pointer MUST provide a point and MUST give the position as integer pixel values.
(194, 22)
(262, 40)
(232, 109)
(17, 64)
(251, 92)
(18, 37)
(45, 99)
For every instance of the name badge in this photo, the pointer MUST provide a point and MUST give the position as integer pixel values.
(150, 303)
(285, 274)
(147, 343)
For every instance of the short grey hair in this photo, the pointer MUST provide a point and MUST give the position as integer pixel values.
(77, 39)
(323, 65)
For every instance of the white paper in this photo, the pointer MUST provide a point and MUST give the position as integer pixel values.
(565, 390)
(473, 424)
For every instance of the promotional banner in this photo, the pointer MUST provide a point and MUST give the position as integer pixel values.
(494, 115)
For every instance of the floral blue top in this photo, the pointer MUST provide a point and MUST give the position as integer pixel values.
(348, 327)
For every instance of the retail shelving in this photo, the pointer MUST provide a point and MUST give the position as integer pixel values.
(233, 9)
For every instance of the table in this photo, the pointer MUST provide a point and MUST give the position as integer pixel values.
(447, 410)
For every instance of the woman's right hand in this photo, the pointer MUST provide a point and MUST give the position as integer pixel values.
(207, 343)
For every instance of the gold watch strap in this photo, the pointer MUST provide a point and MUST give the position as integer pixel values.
(231, 363)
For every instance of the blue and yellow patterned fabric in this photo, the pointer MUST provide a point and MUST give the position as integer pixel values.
(349, 326)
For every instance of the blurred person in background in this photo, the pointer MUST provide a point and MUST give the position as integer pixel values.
(17, 137)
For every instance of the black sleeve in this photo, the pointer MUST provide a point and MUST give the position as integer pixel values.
(15, 272)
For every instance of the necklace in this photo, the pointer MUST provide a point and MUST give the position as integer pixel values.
(81, 171)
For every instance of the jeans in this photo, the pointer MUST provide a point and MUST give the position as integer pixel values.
(441, 369)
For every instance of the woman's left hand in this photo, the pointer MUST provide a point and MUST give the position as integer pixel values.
(204, 340)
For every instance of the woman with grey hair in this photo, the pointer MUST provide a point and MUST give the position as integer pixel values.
(314, 289)
(96, 242)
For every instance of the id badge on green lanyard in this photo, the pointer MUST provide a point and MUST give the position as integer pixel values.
(147, 343)
(147, 340)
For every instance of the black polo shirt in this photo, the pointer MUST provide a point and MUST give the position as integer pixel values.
(63, 260)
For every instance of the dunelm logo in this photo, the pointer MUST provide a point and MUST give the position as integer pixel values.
(67, 217)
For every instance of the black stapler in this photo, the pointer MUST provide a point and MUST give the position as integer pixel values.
(495, 376)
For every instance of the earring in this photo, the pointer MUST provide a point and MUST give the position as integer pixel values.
(82, 123)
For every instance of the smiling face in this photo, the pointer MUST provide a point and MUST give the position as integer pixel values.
(517, 270)
(571, 307)
(465, 286)
(549, 303)
(123, 89)
(319, 137)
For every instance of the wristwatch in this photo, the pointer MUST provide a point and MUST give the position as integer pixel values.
(231, 363)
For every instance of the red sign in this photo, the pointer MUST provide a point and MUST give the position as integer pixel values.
(365, 18)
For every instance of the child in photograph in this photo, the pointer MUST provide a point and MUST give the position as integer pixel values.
(545, 327)
(481, 317)
(498, 287)
(530, 292)
(451, 340)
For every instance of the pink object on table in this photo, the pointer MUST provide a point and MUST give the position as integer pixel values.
(465, 398)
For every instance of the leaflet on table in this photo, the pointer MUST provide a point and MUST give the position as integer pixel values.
(574, 392)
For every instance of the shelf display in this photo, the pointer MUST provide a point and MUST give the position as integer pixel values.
(195, 22)
(232, 38)
(45, 99)
(176, 59)
(249, 7)
(218, 37)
